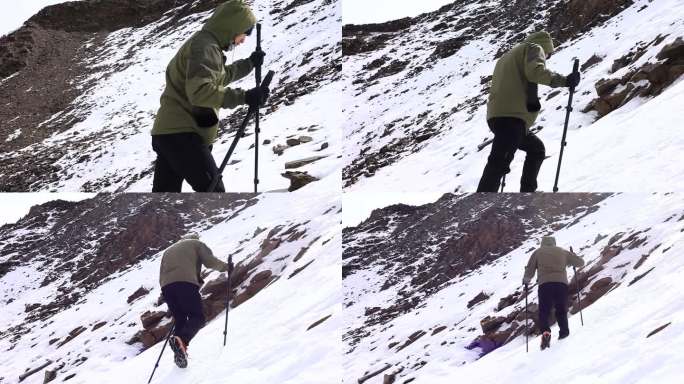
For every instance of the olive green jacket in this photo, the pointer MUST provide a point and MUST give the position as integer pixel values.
(197, 75)
(526, 62)
(183, 262)
(550, 261)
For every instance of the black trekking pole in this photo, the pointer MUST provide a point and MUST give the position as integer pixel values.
(503, 182)
(238, 135)
(579, 299)
(162, 352)
(225, 327)
(257, 75)
(568, 109)
(527, 331)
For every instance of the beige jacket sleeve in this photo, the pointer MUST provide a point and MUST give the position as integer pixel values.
(574, 260)
(536, 71)
(209, 260)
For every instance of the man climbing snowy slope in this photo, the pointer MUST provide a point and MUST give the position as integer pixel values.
(513, 107)
(180, 279)
(550, 263)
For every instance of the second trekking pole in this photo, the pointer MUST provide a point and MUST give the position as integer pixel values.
(527, 331)
(568, 109)
(257, 75)
(168, 336)
(579, 299)
(225, 327)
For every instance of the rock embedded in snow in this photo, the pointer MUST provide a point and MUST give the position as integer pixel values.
(72, 335)
(151, 319)
(140, 292)
(477, 299)
(298, 179)
(50, 375)
(280, 149)
(303, 162)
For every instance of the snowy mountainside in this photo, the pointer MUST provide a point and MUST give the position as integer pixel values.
(416, 92)
(83, 293)
(81, 83)
(443, 299)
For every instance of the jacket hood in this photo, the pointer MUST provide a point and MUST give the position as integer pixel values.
(548, 241)
(543, 39)
(190, 236)
(229, 20)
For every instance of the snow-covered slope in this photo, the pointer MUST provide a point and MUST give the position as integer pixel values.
(434, 293)
(86, 317)
(416, 91)
(90, 131)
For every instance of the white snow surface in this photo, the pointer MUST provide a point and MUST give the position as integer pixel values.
(632, 149)
(268, 341)
(611, 347)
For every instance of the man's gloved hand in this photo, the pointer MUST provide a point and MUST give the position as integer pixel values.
(257, 58)
(257, 96)
(572, 80)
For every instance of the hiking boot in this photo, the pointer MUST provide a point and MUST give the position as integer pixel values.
(180, 356)
(545, 340)
(562, 336)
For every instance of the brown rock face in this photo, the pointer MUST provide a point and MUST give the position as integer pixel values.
(150, 319)
(490, 324)
(258, 282)
(570, 18)
(648, 80)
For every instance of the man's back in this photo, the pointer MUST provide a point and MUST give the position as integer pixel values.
(551, 262)
(183, 262)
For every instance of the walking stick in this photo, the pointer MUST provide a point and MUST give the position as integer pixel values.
(238, 135)
(257, 75)
(168, 336)
(225, 327)
(503, 182)
(527, 333)
(579, 299)
(568, 109)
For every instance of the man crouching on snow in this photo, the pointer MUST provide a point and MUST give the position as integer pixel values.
(186, 125)
(179, 277)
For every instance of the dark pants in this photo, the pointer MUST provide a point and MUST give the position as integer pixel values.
(554, 295)
(510, 135)
(185, 303)
(183, 156)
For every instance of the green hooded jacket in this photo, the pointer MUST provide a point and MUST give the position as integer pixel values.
(183, 262)
(550, 261)
(525, 63)
(197, 76)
